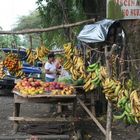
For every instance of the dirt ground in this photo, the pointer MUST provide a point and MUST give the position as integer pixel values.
(119, 130)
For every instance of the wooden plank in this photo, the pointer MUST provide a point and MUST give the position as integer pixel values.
(29, 31)
(92, 116)
(20, 99)
(36, 137)
(44, 95)
(29, 119)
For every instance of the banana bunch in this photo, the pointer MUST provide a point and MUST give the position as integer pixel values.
(103, 73)
(123, 96)
(68, 50)
(111, 89)
(93, 79)
(127, 116)
(20, 73)
(74, 62)
(2, 74)
(78, 68)
(31, 56)
(135, 103)
(41, 52)
(69, 90)
(68, 64)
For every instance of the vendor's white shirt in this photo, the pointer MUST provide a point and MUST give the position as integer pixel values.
(51, 68)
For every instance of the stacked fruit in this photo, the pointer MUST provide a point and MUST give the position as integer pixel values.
(49, 86)
(67, 90)
(29, 86)
(39, 53)
(74, 62)
(58, 88)
(2, 74)
(93, 78)
(13, 64)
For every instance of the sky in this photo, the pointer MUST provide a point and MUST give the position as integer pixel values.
(10, 10)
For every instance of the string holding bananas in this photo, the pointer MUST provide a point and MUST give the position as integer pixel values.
(93, 79)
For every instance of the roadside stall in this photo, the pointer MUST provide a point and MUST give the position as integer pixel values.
(97, 72)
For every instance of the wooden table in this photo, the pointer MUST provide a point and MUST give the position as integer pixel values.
(44, 98)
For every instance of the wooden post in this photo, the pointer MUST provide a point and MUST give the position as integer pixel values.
(16, 114)
(109, 105)
(93, 103)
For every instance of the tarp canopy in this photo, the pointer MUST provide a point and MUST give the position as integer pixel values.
(97, 32)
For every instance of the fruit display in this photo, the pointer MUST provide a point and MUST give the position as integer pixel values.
(31, 86)
(123, 97)
(2, 74)
(39, 53)
(93, 78)
(74, 62)
(13, 64)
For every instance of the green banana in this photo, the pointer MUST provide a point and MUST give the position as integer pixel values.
(96, 82)
(92, 68)
(127, 107)
(129, 119)
(122, 102)
(118, 117)
(126, 93)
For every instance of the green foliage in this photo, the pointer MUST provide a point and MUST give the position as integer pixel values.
(57, 12)
(9, 41)
(51, 13)
(30, 21)
(114, 10)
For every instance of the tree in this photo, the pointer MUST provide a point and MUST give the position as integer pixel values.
(9, 41)
(30, 21)
(56, 12)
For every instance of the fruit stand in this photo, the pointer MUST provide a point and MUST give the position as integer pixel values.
(97, 70)
(30, 90)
